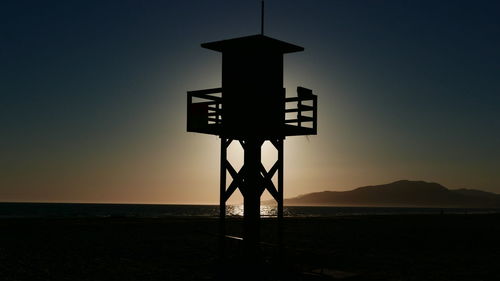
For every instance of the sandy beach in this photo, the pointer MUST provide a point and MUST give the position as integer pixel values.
(384, 247)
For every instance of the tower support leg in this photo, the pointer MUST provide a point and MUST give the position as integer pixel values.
(251, 194)
(223, 198)
(280, 178)
(279, 200)
(223, 161)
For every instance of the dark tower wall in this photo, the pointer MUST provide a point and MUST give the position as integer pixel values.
(253, 95)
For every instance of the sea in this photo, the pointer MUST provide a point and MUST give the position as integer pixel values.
(82, 210)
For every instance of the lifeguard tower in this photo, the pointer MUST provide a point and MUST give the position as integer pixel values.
(251, 108)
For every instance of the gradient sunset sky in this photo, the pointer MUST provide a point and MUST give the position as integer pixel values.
(93, 95)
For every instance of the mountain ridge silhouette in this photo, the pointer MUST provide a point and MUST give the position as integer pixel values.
(402, 193)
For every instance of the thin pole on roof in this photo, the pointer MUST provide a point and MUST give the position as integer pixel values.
(262, 18)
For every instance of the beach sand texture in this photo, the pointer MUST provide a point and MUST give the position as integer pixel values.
(384, 247)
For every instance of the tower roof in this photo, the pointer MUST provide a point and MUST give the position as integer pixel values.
(252, 42)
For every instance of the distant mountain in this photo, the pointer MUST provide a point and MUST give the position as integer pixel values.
(402, 193)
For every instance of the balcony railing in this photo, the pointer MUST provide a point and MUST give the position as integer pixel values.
(204, 108)
(305, 105)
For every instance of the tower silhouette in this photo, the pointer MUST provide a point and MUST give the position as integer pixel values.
(251, 108)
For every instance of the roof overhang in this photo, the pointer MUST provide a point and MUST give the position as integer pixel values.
(253, 42)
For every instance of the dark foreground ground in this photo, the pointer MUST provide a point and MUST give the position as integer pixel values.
(408, 247)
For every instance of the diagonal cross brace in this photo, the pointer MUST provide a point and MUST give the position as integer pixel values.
(237, 180)
(267, 182)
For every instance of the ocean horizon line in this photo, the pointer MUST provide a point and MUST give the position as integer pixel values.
(80, 210)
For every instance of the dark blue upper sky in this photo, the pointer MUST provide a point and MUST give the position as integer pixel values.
(93, 92)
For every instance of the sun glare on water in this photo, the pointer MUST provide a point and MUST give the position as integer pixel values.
(265, 210)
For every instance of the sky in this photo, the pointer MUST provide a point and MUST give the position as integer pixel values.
(93, 93)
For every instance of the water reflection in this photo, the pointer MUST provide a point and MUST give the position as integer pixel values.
(265, 210)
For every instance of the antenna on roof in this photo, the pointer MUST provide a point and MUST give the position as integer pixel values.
(262, 18)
